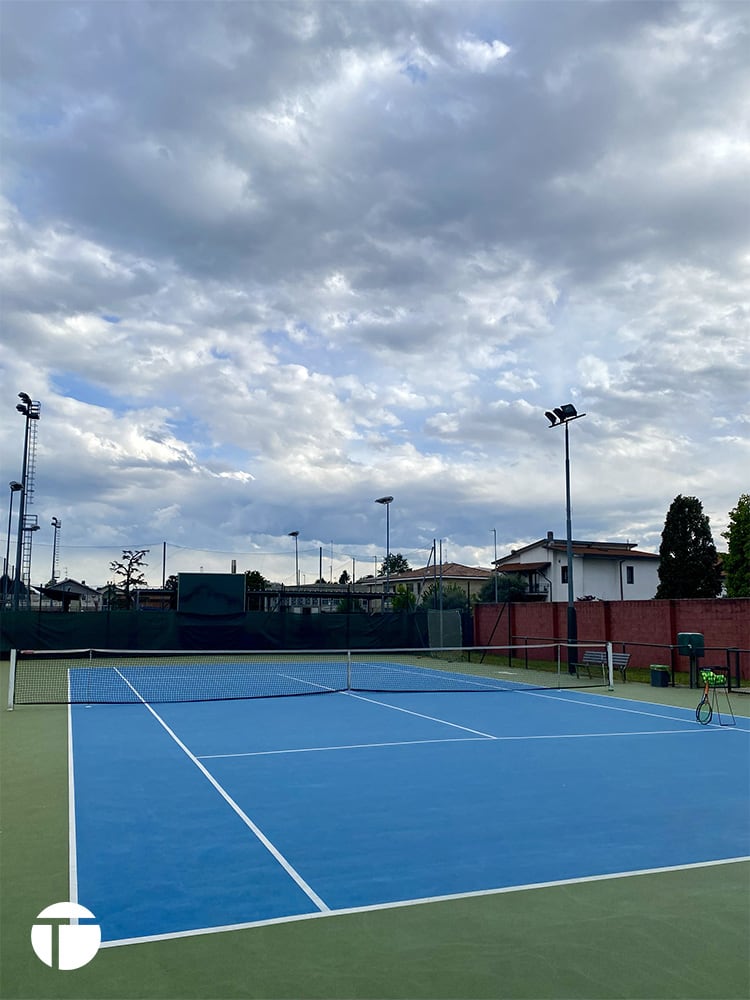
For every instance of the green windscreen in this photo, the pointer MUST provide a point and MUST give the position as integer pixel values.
(211, 593)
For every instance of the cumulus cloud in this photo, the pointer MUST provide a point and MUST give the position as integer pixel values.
(263, 263)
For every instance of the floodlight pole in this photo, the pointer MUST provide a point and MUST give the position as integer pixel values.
(14, 488)
(494, 532)
(564, 415)
(572, 618)
(56, 524)
(30, 409)
(295, 536)
(387, 501)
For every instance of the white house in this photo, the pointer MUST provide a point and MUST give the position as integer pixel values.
(607, 571)
(73, 595)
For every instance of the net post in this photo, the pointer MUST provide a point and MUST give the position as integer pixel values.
(348, 670)
(610, 668)
(11, 680)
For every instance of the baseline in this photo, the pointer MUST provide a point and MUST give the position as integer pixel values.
(195, 932)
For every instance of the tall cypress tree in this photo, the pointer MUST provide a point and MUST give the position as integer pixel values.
(689, 564)
(737, 559)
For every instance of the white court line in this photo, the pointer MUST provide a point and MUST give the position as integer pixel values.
(462, 739)
(419, 715)
(72, 841)
(467, 679)
(346, 746)
(604, 736)
(630, 711)
(538, 694)
(407, 711)
(288, 868)
(419, 902)
(301, 680)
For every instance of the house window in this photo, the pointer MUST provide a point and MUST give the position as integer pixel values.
(630, 574)
(563, 574)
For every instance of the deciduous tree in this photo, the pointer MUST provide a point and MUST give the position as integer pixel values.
(737, 559)
(509, 587)
(130, 571)
(394, 564)
(254, 581)
(403, 599)
(454, 597)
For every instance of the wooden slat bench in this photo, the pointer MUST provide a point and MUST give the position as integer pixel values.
(598, 658)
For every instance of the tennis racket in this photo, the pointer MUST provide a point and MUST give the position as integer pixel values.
(704, 712)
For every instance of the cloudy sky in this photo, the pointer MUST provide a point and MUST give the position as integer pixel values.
(266, 262)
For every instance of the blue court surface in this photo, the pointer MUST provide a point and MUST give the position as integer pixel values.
(198, 816)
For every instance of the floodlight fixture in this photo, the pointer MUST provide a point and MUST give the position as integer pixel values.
(562, 414)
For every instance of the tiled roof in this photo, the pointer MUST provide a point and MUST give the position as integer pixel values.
(449, 571)
(584, 549)
(522, 567)
(606, 550)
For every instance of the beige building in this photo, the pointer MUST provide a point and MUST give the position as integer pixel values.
(470, 579)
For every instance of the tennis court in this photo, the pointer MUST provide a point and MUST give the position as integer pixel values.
(190, 818)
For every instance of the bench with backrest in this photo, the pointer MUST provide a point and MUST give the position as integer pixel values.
(598, 658)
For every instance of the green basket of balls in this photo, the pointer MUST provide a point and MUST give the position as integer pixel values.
(713, 679)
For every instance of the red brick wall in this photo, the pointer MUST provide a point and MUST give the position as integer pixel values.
(645, 629)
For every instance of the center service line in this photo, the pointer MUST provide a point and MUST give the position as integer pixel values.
(396, 708)
(288, 868)
(419, 715)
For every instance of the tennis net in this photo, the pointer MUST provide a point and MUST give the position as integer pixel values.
(92, 676)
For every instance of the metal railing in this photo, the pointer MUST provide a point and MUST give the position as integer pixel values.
(734, 660)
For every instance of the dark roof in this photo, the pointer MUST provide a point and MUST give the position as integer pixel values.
(56, 594)
(69, 586)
